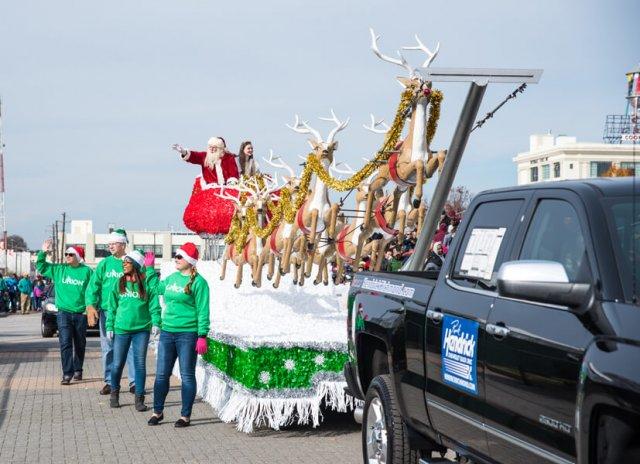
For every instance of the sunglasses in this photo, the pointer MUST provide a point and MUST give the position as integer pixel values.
(178, 257)
(69, 254)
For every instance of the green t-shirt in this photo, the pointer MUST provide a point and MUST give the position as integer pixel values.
(104, 278)
(127, 312)
(71, 283)
(185, 313)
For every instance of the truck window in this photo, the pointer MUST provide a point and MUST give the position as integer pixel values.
(555, 235)
(625, 224)
(483, 247)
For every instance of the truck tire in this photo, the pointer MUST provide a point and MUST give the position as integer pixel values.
(384, 435)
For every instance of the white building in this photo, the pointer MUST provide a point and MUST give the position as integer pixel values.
(163, 243)
(561, 157)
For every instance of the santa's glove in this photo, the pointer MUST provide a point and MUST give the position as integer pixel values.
(201, 345)
(110, 335)
(155, 331)
(177, 147)
(149, 259)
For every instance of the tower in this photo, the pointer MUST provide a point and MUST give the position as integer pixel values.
(625, 128)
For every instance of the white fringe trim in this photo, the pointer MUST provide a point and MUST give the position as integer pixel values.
(235, 403)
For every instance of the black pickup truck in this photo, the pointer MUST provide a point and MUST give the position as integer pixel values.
(523, 348)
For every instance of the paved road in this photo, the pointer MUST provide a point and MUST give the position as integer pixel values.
(44, 422)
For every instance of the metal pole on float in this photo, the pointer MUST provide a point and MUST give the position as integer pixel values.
(480, 79)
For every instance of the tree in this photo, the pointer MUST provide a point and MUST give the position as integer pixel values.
(457, 202)
(16, 243)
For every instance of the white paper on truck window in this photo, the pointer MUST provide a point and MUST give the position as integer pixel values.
(481, 253)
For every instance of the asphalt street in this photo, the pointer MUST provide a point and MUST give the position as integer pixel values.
(42, 421)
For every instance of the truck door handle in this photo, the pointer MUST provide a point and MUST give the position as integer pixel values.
(499, 331)
(435, 315)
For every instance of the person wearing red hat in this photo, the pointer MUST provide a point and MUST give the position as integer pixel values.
(185, 324)
(206, 212)
(71, 280)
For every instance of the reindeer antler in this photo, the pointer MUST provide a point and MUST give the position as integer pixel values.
(339, 126)
(375, 124)
(400, 62)
(226, 196)
(302, 127)
(430, 55)
(347, 171)
(280, 165)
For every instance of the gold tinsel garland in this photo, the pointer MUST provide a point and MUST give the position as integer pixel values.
(287, 208)
(434, 115)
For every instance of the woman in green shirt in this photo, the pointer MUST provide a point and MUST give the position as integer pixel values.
(133, 314)
(184, 330)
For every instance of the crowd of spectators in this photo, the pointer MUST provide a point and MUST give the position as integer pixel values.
(23, 293)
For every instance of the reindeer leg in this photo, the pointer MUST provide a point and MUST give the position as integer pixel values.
(223, 271)
(270, 269)
(276, 282)
(417, 190)
(421, 212)
(239, 275)
(286, 254)
(321, 263)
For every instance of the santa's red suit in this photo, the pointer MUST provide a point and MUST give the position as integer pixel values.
(206, 211)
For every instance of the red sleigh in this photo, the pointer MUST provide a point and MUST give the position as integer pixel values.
(207, 212)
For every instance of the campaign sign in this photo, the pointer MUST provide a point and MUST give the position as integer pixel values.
(460, 353)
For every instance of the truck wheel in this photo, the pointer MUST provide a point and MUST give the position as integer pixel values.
(384, 435)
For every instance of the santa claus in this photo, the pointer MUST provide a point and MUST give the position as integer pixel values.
(206, 212)
(218, 165)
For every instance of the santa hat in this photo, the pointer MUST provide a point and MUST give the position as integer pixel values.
(118, 236)
(136, 257)
(217, 142)
(76, 250)
(189, 252)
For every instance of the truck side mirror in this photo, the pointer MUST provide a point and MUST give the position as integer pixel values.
(543, 282)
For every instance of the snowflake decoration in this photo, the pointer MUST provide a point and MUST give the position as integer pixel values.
(289, 364)
(319, 360)
(265, 377)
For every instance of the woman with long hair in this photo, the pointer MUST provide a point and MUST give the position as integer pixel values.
(245, 156)
(133, 315)
(185, 325)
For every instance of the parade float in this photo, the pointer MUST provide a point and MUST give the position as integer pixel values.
(277, 350)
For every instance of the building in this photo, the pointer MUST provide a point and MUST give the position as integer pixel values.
(561, 157)
(163, 243)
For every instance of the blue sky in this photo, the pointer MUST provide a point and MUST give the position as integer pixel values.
(94, 93)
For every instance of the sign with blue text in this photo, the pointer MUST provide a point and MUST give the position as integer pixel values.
(460, 353)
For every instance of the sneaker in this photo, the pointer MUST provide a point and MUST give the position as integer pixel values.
(77, 376)
(65, 381)
(106, 390)
(181, 423)
(114, 399)
(155, 420)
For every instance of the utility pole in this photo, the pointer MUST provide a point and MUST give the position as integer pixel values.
(3, 219)
(64, 224)
(55, 242)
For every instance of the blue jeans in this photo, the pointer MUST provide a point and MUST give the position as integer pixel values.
(72, 335)
(138, 342)
(172, 346)
(107, 353)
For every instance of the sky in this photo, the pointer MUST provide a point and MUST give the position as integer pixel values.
(95, 93)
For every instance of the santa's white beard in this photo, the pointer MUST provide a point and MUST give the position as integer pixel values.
(211, 158)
